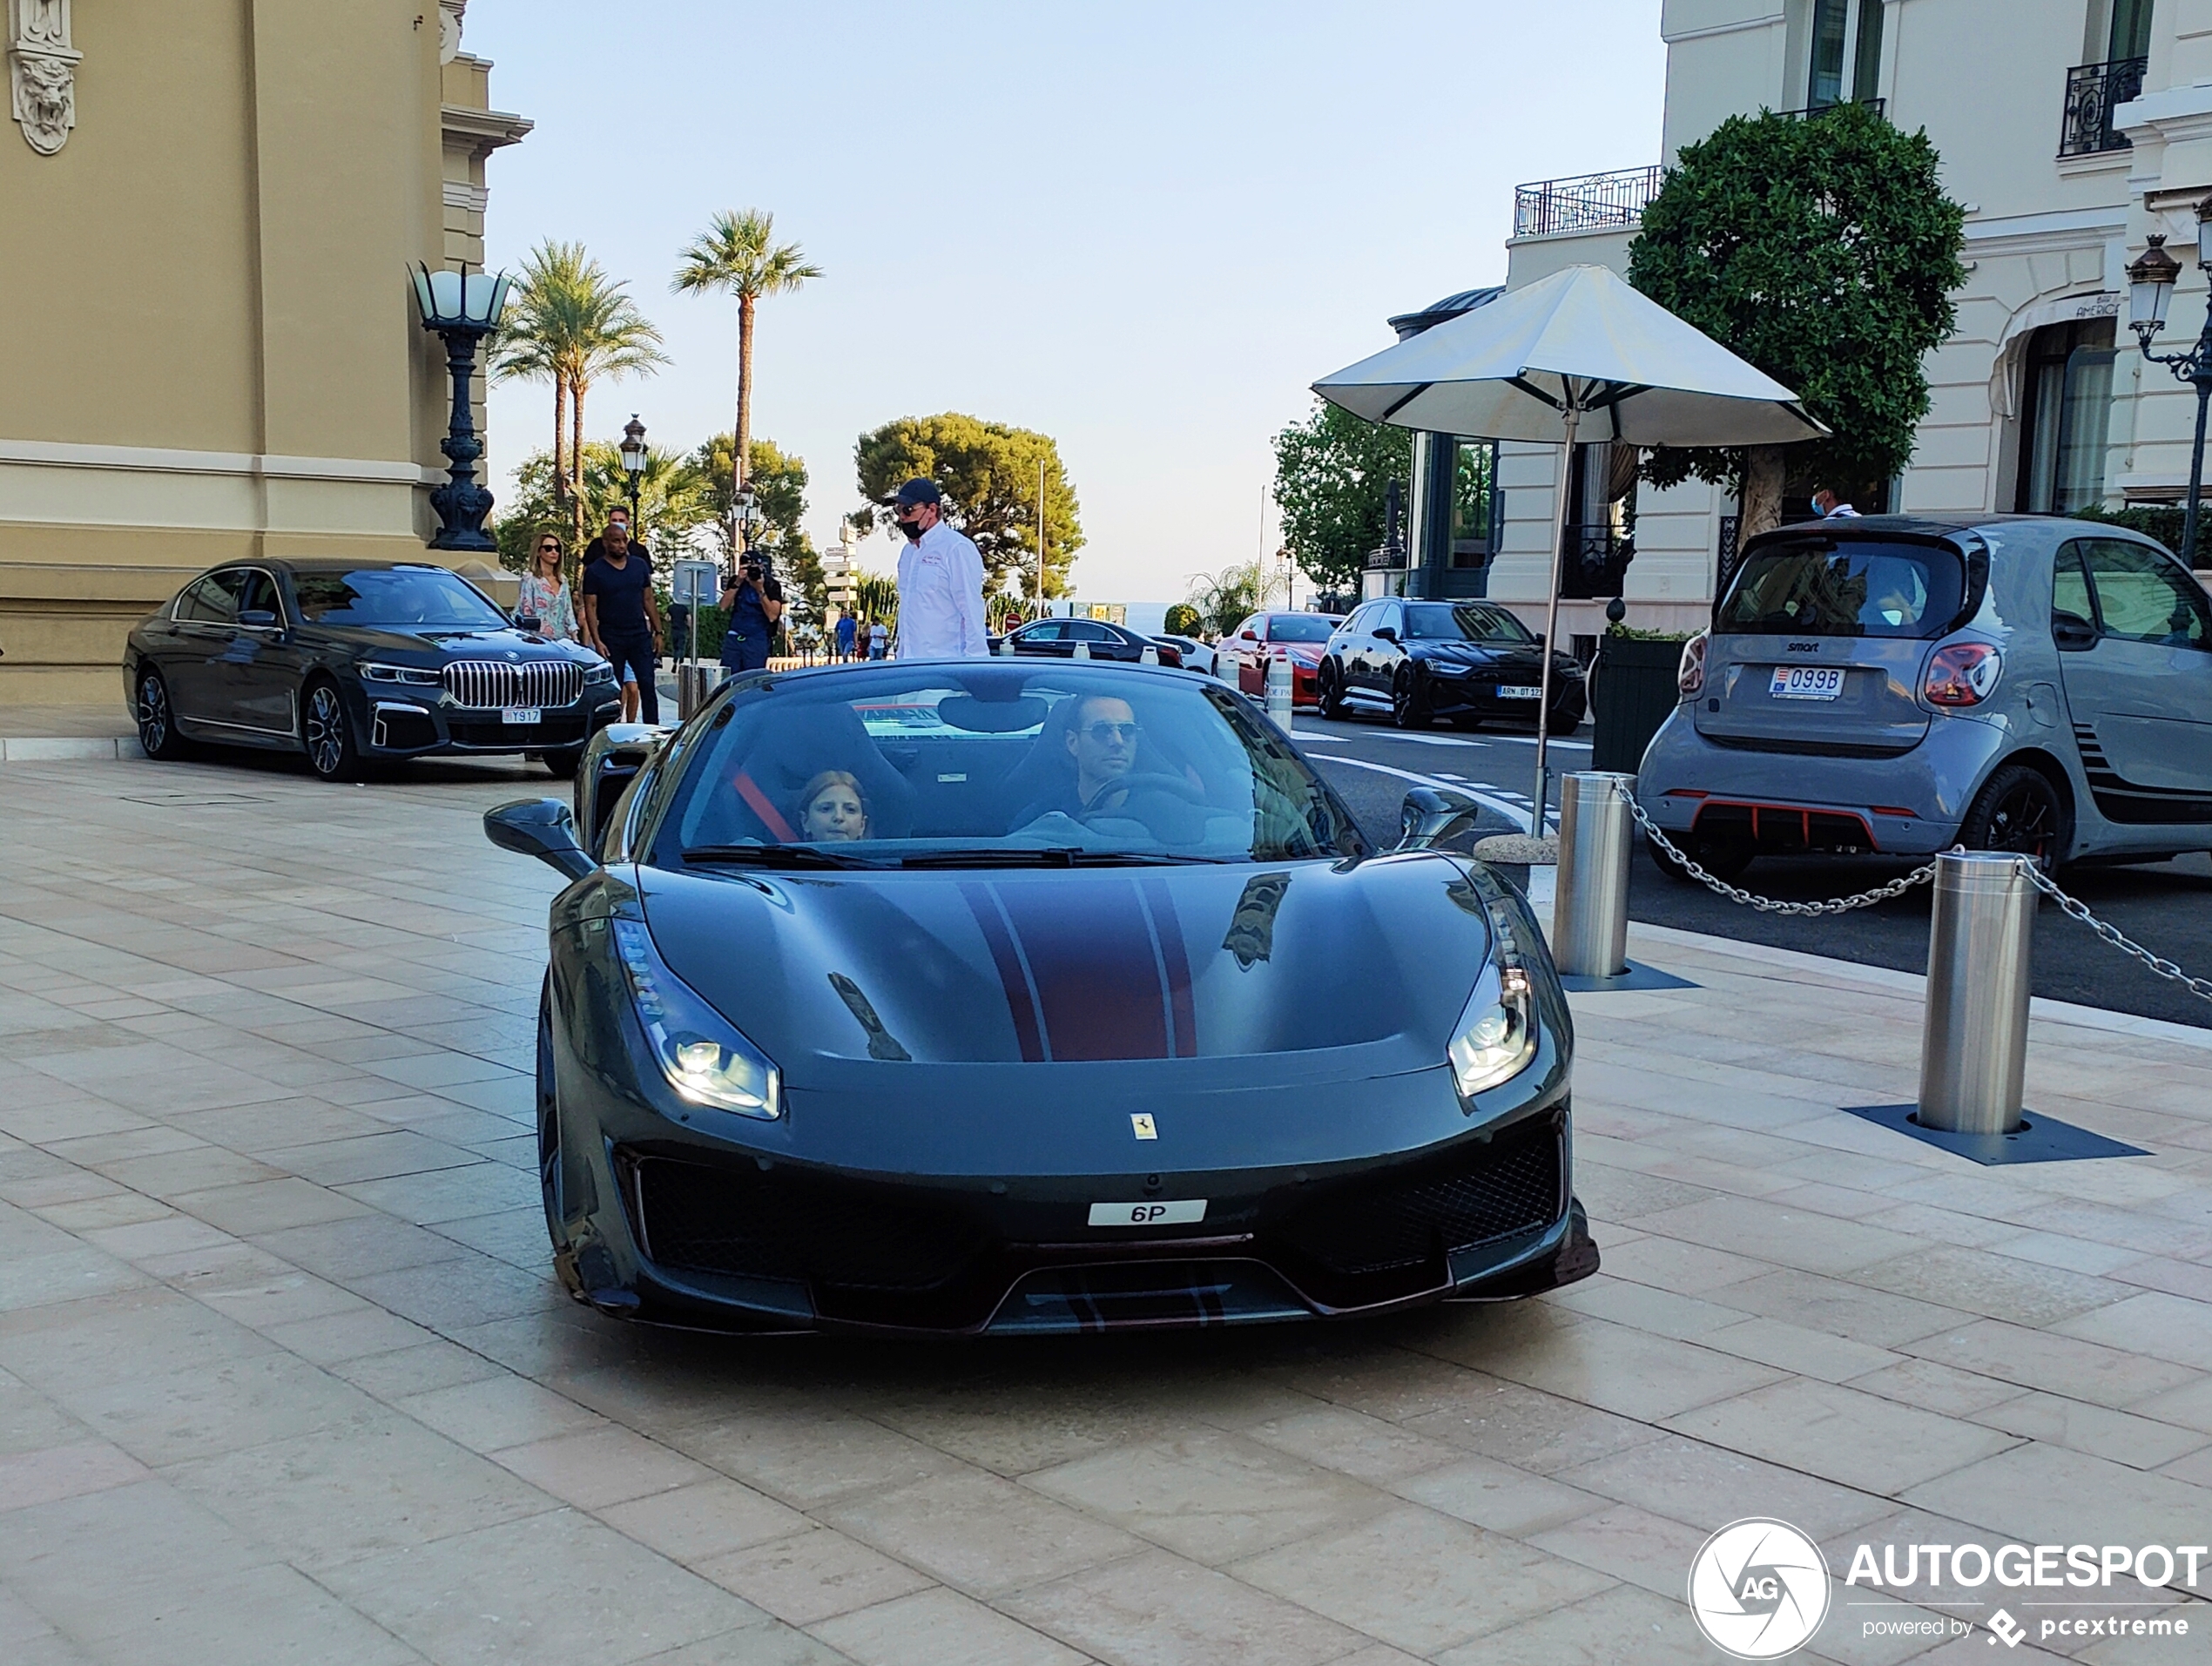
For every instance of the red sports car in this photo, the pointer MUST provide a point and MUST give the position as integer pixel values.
(1299, 637)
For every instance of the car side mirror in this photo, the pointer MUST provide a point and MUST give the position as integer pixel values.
(257, 619)
(1430, 815)
(2071, 630)
(529, 622)
(1386, 633)
(540, 828)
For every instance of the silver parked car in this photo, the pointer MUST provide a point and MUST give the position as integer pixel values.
(1901, 685)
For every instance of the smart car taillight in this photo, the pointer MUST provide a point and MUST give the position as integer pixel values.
(1689, 675)
(1963, 674)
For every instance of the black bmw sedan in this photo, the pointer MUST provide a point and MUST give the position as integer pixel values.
(356, 661)
(1020, 995)
(1416, 661)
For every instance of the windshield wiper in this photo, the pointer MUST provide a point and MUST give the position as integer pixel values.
(1046, 856)
(775, 856)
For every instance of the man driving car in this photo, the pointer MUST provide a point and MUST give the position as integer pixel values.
(1102, 742)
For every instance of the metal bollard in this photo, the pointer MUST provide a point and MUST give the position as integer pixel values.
(1278, 692)
(1590, 907)
(1973, 1042)
(1147, 654)
(1083, 650)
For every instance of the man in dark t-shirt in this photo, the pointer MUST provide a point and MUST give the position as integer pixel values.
(622, 616)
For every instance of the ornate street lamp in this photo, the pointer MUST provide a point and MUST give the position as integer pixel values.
(633, 463)
(749, 518)
(462, 309)
(2150, 291)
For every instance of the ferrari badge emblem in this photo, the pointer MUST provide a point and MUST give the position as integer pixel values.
(1141, 1125)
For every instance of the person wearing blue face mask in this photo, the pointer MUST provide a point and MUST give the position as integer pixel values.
(1828, 507)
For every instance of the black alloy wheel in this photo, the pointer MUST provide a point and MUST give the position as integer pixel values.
(326, 737)
(549, 1119)
(158, 720)
(1409, 700)
(2018, 812)
(1328, 689)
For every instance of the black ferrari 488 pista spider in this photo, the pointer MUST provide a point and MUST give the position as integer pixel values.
(1000, 996)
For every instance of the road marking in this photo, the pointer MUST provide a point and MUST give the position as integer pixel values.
(1431, 740)
(1494, 799)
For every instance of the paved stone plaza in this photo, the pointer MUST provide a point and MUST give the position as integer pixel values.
(284, 1376)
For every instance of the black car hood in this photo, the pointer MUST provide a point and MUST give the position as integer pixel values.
(453, 644)
(1355, 969)
(1499, 656)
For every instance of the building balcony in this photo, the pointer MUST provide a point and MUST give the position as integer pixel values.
(2093, 93)
(1589, 202)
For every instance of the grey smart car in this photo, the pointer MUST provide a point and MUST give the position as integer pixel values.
(1900, 685)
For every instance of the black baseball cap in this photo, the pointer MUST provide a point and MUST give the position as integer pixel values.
(918, 490)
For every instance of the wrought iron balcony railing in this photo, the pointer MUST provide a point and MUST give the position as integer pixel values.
(1586, 203)
(2093, 90)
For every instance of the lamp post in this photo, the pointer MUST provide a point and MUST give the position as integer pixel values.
(2150, 291)
(748, 517)
(461, 310)
(633, 463)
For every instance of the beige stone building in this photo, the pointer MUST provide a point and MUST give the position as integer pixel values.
(212, 350)
(2070, 129)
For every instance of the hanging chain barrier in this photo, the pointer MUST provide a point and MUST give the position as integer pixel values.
(2074, 907)
(2201, 987)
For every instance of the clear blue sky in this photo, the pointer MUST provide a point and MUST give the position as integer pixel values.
(1141, 228)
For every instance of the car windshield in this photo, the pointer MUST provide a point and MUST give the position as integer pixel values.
(1463, 622)
(1301, 627)
(994, 764)
(1830, 587)
(405, 598)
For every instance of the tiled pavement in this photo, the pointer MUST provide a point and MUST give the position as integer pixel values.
(283, 1377)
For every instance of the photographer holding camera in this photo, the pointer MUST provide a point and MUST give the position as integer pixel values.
(754, 603)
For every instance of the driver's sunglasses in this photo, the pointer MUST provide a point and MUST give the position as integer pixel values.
(1105, 734)
(549, 548)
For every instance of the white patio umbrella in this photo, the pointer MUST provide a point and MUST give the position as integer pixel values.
(1536, 363)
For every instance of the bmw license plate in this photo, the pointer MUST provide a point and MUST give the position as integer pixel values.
(521, 714)
(1509, 691)
(1149, 1214)
(1806, 682)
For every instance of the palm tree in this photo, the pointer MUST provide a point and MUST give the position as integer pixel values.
(572, 325)
(736, 255)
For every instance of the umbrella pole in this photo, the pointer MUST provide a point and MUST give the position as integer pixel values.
(1551, 610)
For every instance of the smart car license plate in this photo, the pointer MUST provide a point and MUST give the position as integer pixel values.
(1806, 682)
(1149, 1214)
(521, 714)
(1508, 692)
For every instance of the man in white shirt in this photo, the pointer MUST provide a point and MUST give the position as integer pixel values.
(1828, 507)
(941, 581)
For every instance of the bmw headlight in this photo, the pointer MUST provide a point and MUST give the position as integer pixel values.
(599, 671)
(700, 1053)
(411, 676)
(1497, 1035)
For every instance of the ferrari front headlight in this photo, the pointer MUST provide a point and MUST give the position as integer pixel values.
(700, 1052)
(1497, 1034)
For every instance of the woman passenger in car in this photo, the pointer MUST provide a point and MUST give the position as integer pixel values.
(832, 808)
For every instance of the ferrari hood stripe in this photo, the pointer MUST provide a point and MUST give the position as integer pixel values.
(1182, 1017)
(1088, 950)
(1014, 977)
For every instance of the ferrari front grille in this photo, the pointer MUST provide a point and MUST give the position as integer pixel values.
(492, 685)
(1490, 1191)
(784, 1224)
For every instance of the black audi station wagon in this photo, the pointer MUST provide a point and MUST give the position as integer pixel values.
(352, 662)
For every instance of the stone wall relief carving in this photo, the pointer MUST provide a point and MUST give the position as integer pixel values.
(42, 72)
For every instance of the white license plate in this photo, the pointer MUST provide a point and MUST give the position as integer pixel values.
(523, 714)
(1806, 682)
(1507, 692)
(1159, 1214)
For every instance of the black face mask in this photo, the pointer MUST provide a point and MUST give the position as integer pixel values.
(913, 529)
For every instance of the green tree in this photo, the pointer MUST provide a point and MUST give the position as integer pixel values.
(1825, 252)
(875, 596)
(673, 504)
(988, 474)
(1332, 474)
(779, 481)
(1224, 600)
(1182, 620)
(569, 324)
(738, 255)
